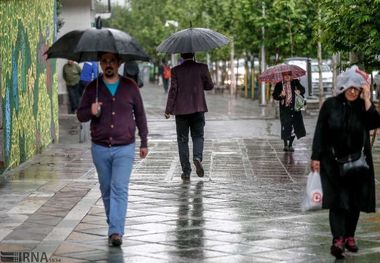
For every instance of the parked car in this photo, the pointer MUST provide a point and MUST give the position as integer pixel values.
(326, 74)
(376, 79)
(327, 78)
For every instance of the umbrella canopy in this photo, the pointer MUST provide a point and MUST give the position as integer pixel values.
(85, 45)
(274, 73)
(192, 40)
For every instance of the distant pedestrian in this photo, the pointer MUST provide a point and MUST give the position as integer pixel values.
(113, 123)
(131, 70)
(71, 74)
(166, 75)
(342, 132)
(291, 120)
(160, 73)
(88, 74)
(186, 100)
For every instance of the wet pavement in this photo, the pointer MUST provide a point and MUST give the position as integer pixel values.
(245, 209)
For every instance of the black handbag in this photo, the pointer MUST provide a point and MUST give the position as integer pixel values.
(352, 164)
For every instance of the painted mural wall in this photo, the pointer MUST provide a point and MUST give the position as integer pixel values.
(28, 83)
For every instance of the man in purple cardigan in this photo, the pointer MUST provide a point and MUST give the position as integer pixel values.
(113, 123)
(186, 100)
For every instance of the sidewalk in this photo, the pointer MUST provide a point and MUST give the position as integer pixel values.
(245, 209)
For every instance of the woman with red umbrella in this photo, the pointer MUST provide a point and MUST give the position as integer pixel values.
(290, 116)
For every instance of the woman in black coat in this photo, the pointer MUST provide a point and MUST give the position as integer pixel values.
(291, 121)
(343, 128)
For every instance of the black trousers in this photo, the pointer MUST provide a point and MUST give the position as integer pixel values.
(82, 86)
(74, 97)
(165, 83)
(343, 223)
(194, 122)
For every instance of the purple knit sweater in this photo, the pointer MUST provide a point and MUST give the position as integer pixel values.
(120, 114)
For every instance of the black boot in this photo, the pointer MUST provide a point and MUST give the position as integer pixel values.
(286, 148)
(291, 149)
(337, 249)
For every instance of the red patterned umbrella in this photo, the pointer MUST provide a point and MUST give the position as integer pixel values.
(274, 73)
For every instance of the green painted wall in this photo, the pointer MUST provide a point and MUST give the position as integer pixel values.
(28, 83)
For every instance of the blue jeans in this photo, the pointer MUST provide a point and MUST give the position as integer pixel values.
(114, 167)
(194, 123)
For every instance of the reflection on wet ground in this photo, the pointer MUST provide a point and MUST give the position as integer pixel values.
(245, 209)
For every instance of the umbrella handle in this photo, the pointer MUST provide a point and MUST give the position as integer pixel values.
(99, 109)
(98, 23)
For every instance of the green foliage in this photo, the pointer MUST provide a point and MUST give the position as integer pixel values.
(291, 26)
(353, 26)
(146, 20)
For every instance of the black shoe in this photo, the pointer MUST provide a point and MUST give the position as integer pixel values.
(286, 149)
(337, 249)
(290, 149)
(199, 168)
(115, 240)
(185, 177)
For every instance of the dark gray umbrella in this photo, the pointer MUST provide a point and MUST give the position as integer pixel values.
(85, 45)
(192, 40)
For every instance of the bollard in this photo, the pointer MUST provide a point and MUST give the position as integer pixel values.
(84, 132)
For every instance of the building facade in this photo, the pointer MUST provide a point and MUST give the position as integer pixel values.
(28, 83)
(76, 15)
(32, 91)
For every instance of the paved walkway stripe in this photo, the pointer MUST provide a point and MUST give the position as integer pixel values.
(59, 233)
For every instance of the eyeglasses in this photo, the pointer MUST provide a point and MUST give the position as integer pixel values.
(111, 62)
(353, 89)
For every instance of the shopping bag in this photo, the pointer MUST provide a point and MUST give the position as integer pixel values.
(313, 193)
(299, 102)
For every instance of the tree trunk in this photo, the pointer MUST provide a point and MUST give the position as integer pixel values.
(320, 84)
(253, 77)
(217, 80)
(321, 92)
(335, 59)
(232, 67)
(291, 38)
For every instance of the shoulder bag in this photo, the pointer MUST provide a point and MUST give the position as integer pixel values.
(353, 163)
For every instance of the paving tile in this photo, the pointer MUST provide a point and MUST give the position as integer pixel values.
(245, 209)
(29, 231)
(93, 255)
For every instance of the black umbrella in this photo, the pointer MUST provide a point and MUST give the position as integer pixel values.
(192, 40)
(85, 45)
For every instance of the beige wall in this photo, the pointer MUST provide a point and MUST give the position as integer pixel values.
(77, 15)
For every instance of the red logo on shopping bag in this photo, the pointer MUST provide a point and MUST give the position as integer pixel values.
(316, 197)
